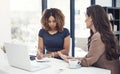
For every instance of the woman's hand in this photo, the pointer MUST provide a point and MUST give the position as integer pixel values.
(64, 57)
(39, 55)
(49, 55)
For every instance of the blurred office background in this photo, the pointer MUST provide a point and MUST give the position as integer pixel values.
(20, 20)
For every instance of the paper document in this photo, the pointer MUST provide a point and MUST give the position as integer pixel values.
(43, 60)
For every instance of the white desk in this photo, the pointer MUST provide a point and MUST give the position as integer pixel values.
(55, 68)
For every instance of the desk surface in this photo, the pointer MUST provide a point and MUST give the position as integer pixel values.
(56, 67)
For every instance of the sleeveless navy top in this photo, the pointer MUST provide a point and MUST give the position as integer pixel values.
(53, 42)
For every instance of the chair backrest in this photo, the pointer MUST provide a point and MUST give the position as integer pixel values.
(70, 51)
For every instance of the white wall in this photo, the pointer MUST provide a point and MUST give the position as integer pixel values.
(25, 5)
(5, 30)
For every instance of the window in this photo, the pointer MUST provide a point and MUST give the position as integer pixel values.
(64, 6)
(104, 2)
(25, 18)
(81, 32)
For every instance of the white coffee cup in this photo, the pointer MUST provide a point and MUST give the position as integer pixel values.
(73, 63)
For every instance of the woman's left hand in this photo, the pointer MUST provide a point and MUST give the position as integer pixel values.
(47, 55)
(64, 57)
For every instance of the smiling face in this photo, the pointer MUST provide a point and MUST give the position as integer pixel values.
(52, 23)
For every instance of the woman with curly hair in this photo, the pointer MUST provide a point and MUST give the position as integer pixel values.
(53, 36)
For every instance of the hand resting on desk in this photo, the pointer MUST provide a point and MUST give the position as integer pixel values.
(65, 57)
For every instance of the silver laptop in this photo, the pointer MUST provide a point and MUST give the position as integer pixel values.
(18, 56)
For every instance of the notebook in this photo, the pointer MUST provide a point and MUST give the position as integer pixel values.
(18, 56)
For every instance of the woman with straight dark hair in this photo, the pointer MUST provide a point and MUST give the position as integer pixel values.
(102, 43)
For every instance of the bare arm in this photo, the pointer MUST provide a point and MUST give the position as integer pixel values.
(40, 48)
(65, 48)
(40, 44)
(53, 54)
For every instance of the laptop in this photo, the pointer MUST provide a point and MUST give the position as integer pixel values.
(18, 56)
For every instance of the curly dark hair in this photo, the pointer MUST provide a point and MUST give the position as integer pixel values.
(102, 25)
(57, 14)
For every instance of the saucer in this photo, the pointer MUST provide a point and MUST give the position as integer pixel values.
(75, 67)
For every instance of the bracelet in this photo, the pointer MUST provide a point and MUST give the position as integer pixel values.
(40, 51)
